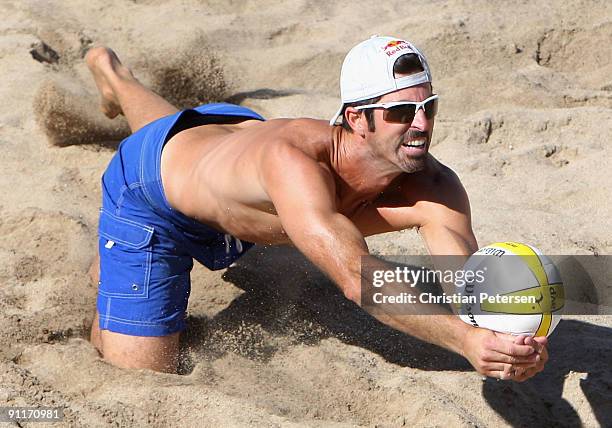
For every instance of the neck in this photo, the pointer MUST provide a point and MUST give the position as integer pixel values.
(358, 166)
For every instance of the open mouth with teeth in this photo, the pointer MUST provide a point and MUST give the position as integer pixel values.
(415, 144)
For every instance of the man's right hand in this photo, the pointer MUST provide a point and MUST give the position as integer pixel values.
(498, 355)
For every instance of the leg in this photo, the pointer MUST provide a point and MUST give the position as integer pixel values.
(121, 93)
(94, 336)
(137, 352)
(94, 275)
(121, 350)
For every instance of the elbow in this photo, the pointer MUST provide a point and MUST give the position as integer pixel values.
(351, 287)
(353, 294)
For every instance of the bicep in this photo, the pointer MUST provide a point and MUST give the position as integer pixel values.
(448, 229)
(303, 194)
(449, 233)
(302, 191)
(449, 239)
(441, 213)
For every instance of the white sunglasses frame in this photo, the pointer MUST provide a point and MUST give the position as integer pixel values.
(418, 104)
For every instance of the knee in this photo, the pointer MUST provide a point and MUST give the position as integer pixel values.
(159, 363)
(94, 337)
(134, 352)
(163, 364)
(94, 270)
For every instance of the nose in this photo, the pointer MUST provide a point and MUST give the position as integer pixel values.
(420, 121)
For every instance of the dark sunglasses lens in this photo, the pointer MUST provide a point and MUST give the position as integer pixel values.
(400, 114)
(406, 113)
(431, 108)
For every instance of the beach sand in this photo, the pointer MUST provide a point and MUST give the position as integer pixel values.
(525, 120)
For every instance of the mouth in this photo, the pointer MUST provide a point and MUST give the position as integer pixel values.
(414, 147)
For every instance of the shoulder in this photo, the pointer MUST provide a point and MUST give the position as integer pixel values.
(298, 142)
(441, 176)
(436, 192)
(437, 181)
(446, 215)
(302, 128)
(447, 183)
(288, 161)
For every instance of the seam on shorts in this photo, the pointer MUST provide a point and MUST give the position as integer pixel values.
(108, 304)
(122, 195)
(144, 227)
(145, 191)
(132, 322)
(135, 185)
(163, 194)
(120, 200)
(121, 241)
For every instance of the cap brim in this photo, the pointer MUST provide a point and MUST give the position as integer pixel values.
(336, 116)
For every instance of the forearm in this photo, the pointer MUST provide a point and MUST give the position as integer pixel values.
(336, 247)
(431, 322)
(446, 331)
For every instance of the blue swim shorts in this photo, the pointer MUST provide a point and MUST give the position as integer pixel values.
(146, 247)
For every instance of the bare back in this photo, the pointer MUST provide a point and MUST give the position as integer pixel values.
(212, 174)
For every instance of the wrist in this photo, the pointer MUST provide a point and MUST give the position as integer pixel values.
(461, 337)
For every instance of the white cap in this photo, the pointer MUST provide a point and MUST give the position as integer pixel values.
(367, 70)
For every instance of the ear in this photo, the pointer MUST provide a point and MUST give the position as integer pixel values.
(356, 120)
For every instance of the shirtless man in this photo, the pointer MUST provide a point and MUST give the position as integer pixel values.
(208, 182)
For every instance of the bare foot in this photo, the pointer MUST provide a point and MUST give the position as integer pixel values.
(104, 66)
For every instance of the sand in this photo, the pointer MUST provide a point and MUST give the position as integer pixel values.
(525, 120)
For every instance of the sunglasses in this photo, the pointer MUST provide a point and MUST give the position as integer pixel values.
(405, 111)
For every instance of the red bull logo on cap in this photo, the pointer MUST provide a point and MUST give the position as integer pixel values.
(395, 46)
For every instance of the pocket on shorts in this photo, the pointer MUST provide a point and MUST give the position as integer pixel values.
(125, 257)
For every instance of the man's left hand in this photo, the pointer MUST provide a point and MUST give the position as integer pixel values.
(539, 343)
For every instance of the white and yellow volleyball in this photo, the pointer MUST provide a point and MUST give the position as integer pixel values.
(518, 290)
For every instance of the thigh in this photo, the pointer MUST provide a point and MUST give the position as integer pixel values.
(144, 282)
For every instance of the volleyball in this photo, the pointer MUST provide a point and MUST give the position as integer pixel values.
(519, 290)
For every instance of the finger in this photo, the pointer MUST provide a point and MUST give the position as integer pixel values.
(497, 367)
(513, 349)
(512, 345)
(540, 343)
(525, 365)
(520, 339)
(527, 374)
(519, 374)
(498, 357)
(522, 374)
(511, 372)
(500, 374)
(518, 371)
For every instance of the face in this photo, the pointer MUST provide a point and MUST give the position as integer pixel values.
(404, 144)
